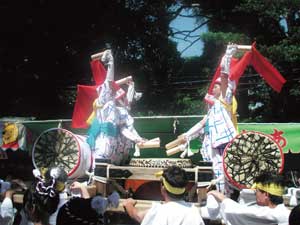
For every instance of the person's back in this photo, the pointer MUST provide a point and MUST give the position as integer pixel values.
(175, 213)
(236, 214)
(294, 218)
(175, 210)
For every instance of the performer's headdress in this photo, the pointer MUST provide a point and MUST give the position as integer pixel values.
(218, 81)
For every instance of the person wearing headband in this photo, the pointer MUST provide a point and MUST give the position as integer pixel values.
(269, 207)
(174, 210)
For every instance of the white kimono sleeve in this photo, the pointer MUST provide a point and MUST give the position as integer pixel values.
(131, 134)
(234, 213)
(196, 129)
(7, 212)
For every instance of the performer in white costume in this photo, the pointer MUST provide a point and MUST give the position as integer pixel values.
(269, 207)
(217, 126)
(103, 132)
(7, 211)
(175, 210)
(128, 135)
(112, 133)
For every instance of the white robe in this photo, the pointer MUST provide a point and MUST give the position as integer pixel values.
(234, 213)
(175, 213)
(7, 212)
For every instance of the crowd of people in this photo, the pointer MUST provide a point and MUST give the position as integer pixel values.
(49, 201)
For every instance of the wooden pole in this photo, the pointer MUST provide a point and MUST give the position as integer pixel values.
(97, 56)
(175, 150)
(175, 143)
(124, 80)
(244, 47)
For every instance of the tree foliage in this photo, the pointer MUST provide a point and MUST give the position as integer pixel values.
(274, 25)
(47, 45)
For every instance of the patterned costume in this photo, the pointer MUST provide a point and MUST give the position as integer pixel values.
(128, 135)
(111, 133)
(103, 130)
(218, 125)
(218, 131)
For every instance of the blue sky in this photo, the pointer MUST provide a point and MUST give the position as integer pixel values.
(184, 23)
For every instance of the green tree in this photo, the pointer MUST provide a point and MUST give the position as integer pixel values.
(274, 25)
(47, 45)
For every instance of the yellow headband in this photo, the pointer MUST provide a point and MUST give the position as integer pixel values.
(171, 189)
(272, 189)
(60, 186)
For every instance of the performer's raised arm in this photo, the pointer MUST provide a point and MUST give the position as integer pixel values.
(227, 86)
(196, 129)
(108, 60)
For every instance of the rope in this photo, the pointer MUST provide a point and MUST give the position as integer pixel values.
(107, 171)
(196, 174)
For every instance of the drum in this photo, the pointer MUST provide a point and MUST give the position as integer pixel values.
(248, 154)
(140, 187)
(60, 147)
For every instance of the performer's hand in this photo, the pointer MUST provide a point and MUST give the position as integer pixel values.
(218, 195)
(129, 202)
(140, 141)
(76, 187)
(9, 193)
(183, 138)
(18, 185)
(79, 189)
(129, 81)
(210, 99)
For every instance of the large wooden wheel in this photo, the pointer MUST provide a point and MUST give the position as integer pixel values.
(248, 155)
(56, 147)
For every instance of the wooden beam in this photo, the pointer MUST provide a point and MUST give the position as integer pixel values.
(141, 205)
(104, 170)
(244, 47)
(124, 80)
(97, 55)
(18, 198)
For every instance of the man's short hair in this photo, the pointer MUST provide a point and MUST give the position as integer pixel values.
(294, 217)
(177, 178)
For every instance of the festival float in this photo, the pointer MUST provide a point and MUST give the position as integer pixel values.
(146, 145)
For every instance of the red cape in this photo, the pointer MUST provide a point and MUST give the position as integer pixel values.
(237, 67)
(86, 96)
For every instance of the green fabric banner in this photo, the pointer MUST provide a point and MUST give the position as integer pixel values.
(286, 134)
(169, 127)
